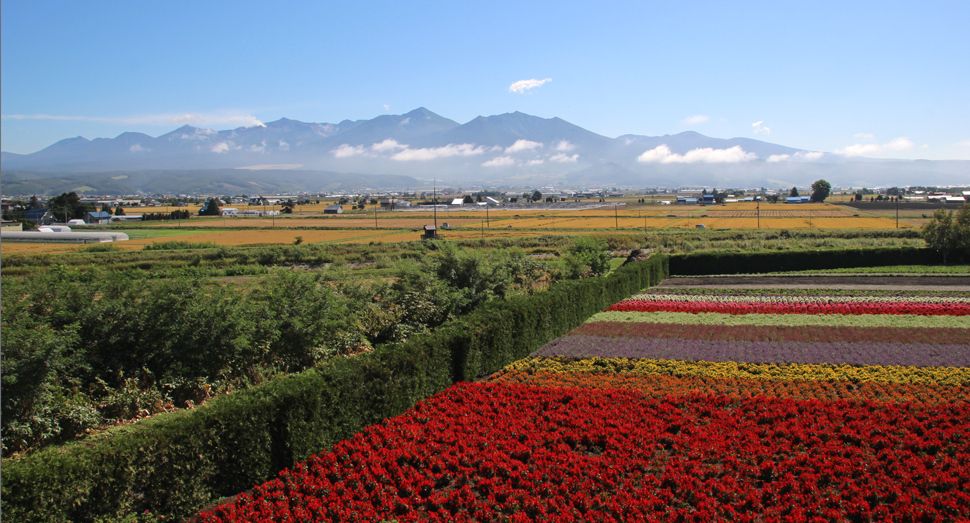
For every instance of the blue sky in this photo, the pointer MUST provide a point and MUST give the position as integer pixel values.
(879, 79)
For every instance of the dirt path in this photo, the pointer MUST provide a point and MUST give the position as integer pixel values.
(928, 283)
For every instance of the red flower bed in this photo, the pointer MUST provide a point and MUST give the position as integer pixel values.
(490, 452)
(893, 308)
(661, 386)
(621, 329)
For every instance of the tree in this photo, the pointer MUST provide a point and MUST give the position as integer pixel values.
(211, 208)
(288, 207)
(537, 196)
(588, 256)
(793, 193)
(69, 205)
(947, 235)
(105, 208)
(119, 210)
(467, 199)
(821, 190)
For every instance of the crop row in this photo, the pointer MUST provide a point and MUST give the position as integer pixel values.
(837, 352)
(812, 333)
(486, 452)
(794, 291)
(818, 299)
(794, 320)
(948, 376)
(662, 386)
(748, 307)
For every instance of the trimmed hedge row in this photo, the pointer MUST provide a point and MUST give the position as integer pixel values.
(759, 262)
(174, 464)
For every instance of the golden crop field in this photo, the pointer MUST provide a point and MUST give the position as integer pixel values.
(397, 226)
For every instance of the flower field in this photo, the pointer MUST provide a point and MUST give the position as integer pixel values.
(684, 405)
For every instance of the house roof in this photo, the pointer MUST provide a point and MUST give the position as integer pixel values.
(99, 214)
(34, 214)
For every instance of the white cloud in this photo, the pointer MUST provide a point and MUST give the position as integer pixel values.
(261, 148)
(522, 145)
(284, 146)
(900, 144)
(387, 145)
(524, 85)
(564, 146)
(137, 149)
(405, 121)
(759, 127)
(387, 107)
(925, 146)
(865, 136)
(696, 119)
(501, 161)
(537, 161)
(346, 151)
(810, 156)
(220, 147)
(565, 158)
(799, 156)
(965, 143)
(433, 153)
(860, 149)
(663, 154)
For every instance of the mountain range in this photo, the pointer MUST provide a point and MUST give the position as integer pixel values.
(404, 150)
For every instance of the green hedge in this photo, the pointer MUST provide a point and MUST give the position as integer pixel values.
(798, 260)
(174, 464)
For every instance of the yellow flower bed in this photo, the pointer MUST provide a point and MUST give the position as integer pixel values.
(949, 376)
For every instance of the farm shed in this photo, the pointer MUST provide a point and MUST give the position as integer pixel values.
(97, 217)
(40, 216)
(333, 209)
(62, 237)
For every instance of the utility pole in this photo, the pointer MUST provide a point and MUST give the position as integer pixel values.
(616, 217)
(759, 214)
(375, 215)
(897, 211)
(434, 205)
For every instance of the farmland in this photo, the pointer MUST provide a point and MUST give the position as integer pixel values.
(523, 221)
(644, 412)
(219, 308)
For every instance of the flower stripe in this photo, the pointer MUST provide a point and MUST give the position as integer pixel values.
(813, 333)
(661, 386)
(879, 308)
(949, 376)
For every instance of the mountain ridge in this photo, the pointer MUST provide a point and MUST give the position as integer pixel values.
(507, 146)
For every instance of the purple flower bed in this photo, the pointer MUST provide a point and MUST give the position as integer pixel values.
(850, 353)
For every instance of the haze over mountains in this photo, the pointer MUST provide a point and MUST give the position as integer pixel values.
(506, 149)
